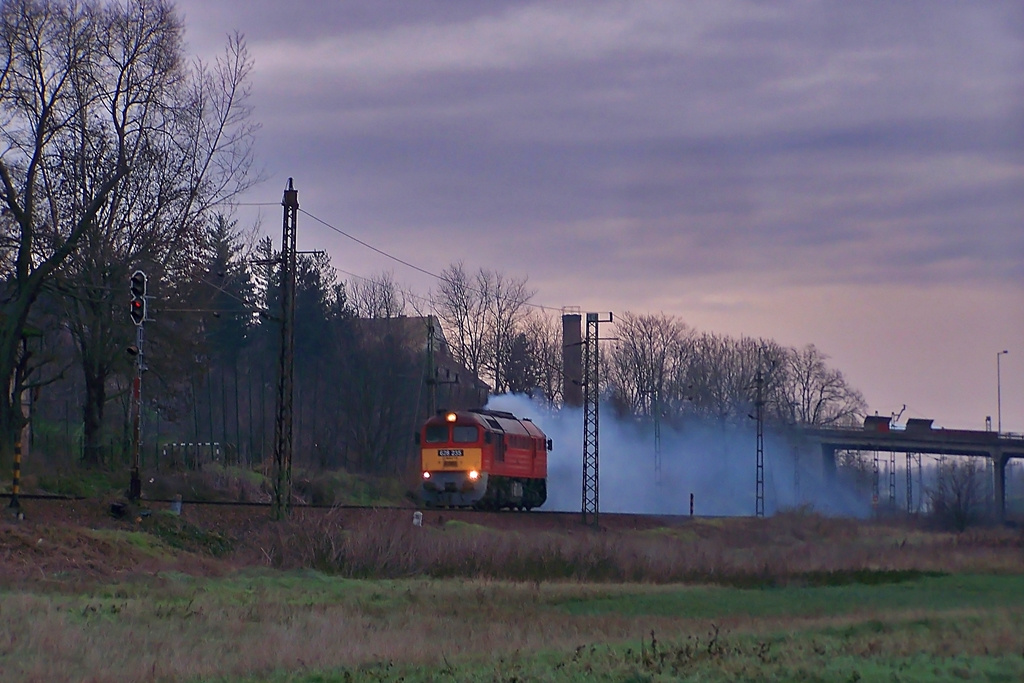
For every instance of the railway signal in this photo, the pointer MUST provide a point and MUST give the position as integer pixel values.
(138, 302)
(138, 282)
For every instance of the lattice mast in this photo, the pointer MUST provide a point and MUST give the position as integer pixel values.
(283, 438)
(759, 418)
(875, 469)
(892, 480)
(591, 400)
(910, 483)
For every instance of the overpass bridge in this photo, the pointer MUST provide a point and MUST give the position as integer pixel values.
(920, 437)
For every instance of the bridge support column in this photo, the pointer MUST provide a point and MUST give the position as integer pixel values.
(828, 462)
(999, 461)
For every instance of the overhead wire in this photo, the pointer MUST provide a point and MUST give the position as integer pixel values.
(402, 261)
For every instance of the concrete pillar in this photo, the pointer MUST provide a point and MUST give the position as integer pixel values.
(828, 462)
(999, 461)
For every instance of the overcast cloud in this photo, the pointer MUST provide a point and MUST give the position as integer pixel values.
(848, 174)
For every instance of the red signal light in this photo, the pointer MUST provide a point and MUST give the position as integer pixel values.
(138, 283)
(138, 310)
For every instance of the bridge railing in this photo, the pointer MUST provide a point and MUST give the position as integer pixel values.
(936, 432)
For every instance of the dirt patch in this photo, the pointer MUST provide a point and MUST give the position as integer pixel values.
(81, 540)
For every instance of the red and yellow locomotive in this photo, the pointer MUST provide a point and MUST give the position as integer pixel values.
(488, 459)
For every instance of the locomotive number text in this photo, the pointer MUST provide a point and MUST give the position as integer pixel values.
(449, 452)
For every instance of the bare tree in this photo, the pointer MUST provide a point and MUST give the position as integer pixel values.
(645, 360)
(507, 300)
(718, 378)
(114, 153)
(540, 337)
(815, 394)
(958, 496)
(60, 91)
(480, 315)
(195, 154)
(462, 309)
(377, 297)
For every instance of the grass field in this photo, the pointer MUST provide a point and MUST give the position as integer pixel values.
(331, 597)
(307, 626)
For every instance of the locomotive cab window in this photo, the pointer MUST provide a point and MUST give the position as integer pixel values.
(464, 434)
(437, 433)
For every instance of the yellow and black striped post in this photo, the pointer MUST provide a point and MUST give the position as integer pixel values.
(16, 479)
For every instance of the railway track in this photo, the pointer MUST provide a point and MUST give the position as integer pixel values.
(225, 514)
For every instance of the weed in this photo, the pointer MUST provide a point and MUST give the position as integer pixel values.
(179, 533)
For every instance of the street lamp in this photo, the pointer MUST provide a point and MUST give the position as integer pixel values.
(999, 394)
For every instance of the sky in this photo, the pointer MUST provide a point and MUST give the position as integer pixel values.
(848, 175)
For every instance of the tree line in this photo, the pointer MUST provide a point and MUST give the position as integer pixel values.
(122, 153)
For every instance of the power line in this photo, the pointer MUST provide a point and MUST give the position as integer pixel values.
(402, 261)
(371, 247)
(409, 294)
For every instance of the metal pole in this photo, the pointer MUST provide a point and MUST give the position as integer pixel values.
(759, 405)
(135, 486)
(156, 439)
(223, 415)
(263, 414)
(920, 482)
(909, 483)
(874, 482)
(591, 401)
(431, 370)
(283, 443)
(657, 436)
(892, 480)
(209, 405)
(195, 419)
(238, 425)
(251, 427)
(999, 393)
(16, 478)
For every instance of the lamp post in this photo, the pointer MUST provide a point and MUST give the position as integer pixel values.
(999, 393)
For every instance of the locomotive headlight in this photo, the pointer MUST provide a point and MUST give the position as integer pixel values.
(450, 417)
(426, 475)
(473, 475)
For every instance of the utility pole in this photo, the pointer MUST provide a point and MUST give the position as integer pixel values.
(137, 311)
(892, 480)
(759, 417)
(910, 483)
(999, 393)
(874, 483)
(431, 372)
(286, 379)
(655, 394)
(591, 400)
(657, 436)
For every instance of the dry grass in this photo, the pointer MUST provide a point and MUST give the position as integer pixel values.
(463, 602)
(741, 552)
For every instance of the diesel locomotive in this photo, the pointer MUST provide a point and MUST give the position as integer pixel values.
(486, 459)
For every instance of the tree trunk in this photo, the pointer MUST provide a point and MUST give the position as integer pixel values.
(11, 423)
(92, 415)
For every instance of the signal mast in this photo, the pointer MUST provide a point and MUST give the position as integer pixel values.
(137, 311)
